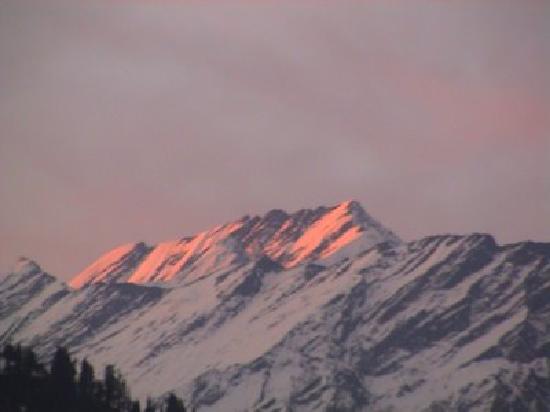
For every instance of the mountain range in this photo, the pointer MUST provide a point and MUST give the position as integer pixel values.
(320, 309)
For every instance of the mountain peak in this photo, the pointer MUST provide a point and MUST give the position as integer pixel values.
(25, 265)
(354, 209)
(344, 228)
(114, 266)
(27, 271)
(350, 204)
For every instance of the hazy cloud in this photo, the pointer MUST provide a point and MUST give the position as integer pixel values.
(125, 121)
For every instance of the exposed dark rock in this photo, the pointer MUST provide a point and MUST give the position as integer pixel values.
(253, 280)
(311, 270)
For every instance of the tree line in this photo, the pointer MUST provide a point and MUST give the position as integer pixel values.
(27, 385)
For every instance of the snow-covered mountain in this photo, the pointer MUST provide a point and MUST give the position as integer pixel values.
(320, 309)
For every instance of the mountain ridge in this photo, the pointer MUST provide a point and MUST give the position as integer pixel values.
(446, 322)
(288, 238)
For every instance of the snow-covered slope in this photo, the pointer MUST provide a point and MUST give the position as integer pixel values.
(437, 324)
(315, 310)
(25, 293)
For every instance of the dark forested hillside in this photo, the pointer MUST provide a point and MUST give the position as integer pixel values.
(66, 386)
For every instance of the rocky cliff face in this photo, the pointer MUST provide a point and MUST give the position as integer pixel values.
(320, 309)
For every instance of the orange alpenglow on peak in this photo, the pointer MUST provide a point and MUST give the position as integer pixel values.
(114, 266)
(289, 239)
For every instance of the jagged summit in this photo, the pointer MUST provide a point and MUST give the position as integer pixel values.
(288, 238)
(25, 280)
(114, 266)
(25, 266)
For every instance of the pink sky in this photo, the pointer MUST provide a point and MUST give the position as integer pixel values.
(127, 121)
